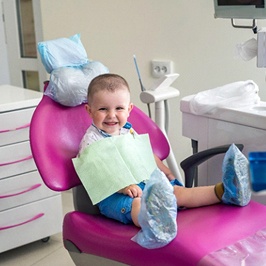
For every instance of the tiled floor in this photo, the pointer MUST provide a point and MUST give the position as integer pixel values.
(40, 253)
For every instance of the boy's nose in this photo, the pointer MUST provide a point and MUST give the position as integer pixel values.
(111, 113)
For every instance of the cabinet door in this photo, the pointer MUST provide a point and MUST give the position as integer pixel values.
(30, 222)
(16, 159)
(22, 189)
(14, 126)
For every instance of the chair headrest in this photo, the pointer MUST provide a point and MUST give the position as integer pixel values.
(55, 134)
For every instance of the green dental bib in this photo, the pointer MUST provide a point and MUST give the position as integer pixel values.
(113, 163)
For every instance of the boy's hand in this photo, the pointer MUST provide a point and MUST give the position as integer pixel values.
(132, 191)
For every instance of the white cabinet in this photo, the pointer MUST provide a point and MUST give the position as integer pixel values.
(29, 211)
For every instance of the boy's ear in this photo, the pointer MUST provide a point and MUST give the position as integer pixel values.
(130, 107)
(88, 109)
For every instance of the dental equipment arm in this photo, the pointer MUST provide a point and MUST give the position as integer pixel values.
(159, 94)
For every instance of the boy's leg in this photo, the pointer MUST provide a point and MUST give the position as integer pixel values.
(135, 210)
(234, 189)
(195, 196)
(157, 216)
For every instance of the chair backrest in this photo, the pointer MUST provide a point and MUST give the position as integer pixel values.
(55, 134)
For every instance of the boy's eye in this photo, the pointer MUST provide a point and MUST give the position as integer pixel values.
(119, 108)
(102, 109)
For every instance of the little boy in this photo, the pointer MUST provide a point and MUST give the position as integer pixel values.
(109, 107)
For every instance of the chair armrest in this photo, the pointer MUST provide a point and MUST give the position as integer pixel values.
(190, 164)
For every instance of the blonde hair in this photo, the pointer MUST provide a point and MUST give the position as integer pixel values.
(109, 82)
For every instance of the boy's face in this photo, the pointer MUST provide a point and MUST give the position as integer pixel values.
(110, 110)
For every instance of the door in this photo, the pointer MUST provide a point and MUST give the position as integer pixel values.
(4, 73)
(23, 31)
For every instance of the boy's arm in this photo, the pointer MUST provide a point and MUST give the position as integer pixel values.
(164, 168)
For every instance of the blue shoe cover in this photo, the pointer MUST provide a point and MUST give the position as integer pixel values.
(157, 216)
(236, 178)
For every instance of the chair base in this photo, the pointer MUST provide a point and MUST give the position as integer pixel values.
(83, 259)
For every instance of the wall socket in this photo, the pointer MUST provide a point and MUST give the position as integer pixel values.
(161, 68)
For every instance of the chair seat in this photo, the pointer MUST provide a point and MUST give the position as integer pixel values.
(200, 232)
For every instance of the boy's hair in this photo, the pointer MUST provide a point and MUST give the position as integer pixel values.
(109, 82)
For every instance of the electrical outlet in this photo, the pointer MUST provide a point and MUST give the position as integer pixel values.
(161, 68)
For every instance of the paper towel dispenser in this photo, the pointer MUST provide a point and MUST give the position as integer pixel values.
(240, 9)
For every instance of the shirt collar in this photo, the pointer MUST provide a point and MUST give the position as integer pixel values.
(106, 135)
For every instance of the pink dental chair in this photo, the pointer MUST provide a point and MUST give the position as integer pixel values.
(92, 239)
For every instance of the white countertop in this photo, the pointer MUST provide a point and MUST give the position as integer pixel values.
(253, 115)
(12, 98)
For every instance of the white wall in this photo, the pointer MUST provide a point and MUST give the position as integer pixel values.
(4, 72)
(201, 47)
